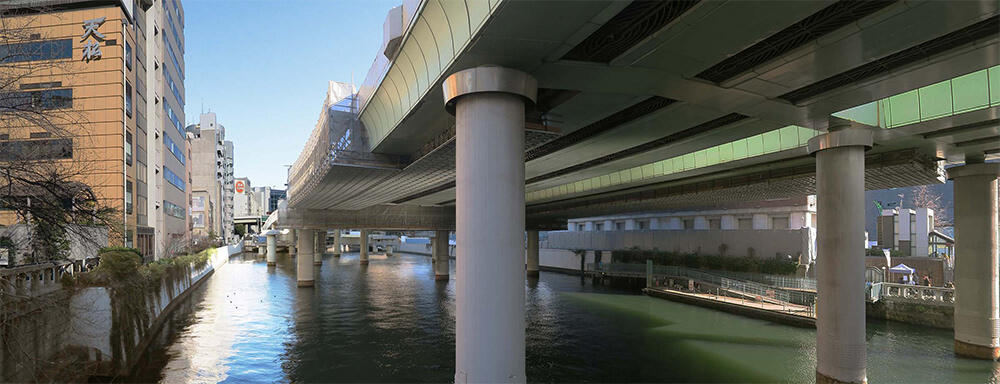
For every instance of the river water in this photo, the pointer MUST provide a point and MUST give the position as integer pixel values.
(391, 322)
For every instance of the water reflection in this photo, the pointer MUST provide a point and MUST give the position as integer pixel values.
(391, 321)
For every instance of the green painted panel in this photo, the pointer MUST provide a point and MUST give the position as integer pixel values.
(755, 146)
(626, 175)
(417, 53)
(805, 134)
(411, 88)
(865, 114)
(726, 152)
(994, 75)
(458, 20)
(636, 173)
(971, 91)
(478, 11)
(605, 180)
(658, 168)
(689, 161)
(616, 178)
(494, 3)
(905, 108)
(740, 149)
(438, 23)
(429, 47)
(396, 99)
(935, 100)
(699, 159)
(772, 141)
(647, 171)
(789, 137)
(713, 155)
(678, 165)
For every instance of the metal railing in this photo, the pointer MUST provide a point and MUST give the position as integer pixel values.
(911, 293)
(711, 277)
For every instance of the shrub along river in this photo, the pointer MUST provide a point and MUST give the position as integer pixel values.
(391, 322)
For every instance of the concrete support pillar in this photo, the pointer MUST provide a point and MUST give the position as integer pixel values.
(319, 246)
(489, 216)
(295, 241)
(364, 247)
(532, 254)
(272, 250)
(304, 261)
(840, 194)
(976, 290)
(440, 255)
(336, 243)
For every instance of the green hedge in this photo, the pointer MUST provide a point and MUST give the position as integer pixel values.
(714, 262)
(121, 268)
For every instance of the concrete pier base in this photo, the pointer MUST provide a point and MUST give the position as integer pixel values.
(489, 104)
(977, 292)
(439, 255)
(337, 249)
(364, 247)
(319, 247)
(823, 379)
(272, 250)
(840, 244)
(531, 253)
(304, 263)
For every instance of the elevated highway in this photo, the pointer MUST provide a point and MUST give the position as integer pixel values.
(492, 117)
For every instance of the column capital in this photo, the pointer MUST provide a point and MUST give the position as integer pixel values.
(488, 78)
(976, 169)
(846, 137)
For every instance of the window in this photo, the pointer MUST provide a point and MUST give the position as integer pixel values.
(40, 135)
(128, 148)
(128, 99)
(173, 148)
(688, 223)
(173, 86)
(581, 227)
(128, 55)
(599, 227)
(128, 238)
(619, 226)
(36, 149)
(37, 100)
(173, 117)
(37, 51)
(173, 209)
(128, 197)
(639, 224)
(173, 57)
(50, 84)
(779, 222)
(173, 179)
(714, 223)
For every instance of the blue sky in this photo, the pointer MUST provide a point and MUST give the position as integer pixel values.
(263, 67)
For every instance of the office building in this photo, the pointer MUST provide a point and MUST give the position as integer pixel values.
(211, 179)
(94, 64)
(169, 154)
(912, 233)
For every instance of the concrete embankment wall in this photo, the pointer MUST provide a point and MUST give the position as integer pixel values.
(927, 314)
(738, 242)
(90, 332)
(420, 249)
(114, 344)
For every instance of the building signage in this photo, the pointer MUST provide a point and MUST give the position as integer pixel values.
(92, 47)
(239, 186)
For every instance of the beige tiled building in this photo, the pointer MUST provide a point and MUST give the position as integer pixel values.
(93, 58)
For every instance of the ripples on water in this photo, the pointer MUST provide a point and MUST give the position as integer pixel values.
(391, 322)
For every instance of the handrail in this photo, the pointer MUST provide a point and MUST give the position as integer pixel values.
(742, 286)
(911, 293)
